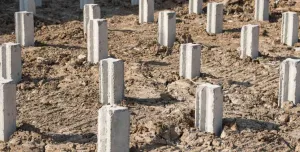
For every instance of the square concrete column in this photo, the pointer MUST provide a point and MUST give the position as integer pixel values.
(146, 11)
(262, 10)
(113, 129)
(97, 40)
(38, 3)
(134, 2)
(250, 41)
(90, 11)
(209, 108)
(111, 81)
(24, 28)
(167, 28)
(10, 62)
(8, 109)
(195, 6)
(214, 18)
(83, 2)
(27, 5)
(289, 85)
(289, 28)
(190, 60)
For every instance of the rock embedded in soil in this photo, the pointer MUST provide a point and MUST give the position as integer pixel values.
(284, 118)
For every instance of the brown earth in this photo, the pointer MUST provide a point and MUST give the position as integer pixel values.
(58, 97)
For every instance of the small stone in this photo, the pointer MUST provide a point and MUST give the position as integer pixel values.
(234, 99)
(297, 147)
(71, 145)
(44, 61)
(81, 57)
(178, 131)
(297, 49)
(193, 129)
(287, 105)
(297, 44)
(223, 134)
(274, 132)
(162, 81)
(40, 59)
(14, 141)
(276, 41)
(294, 134)
(234, 127)
(216, 143)
(44, 101)
(284, 118)
(268, 106)
(180, 98)
(192, 136)
(3, 146)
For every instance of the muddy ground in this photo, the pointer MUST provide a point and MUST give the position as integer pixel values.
(58, 98)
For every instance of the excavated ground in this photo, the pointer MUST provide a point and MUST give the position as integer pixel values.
(58, 98)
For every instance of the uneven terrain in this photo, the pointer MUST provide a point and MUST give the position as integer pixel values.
(58, 97)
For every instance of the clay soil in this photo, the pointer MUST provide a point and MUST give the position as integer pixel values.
(58, 97)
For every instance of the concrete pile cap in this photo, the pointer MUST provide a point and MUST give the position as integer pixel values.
(6, 81)
(146, 11)
(90, 5)
(290, 28)
(23, 12)
(10, 43)
(168, 12)
(209, 108)
(111, 60)
(113, 129)
(190, 64)
(97, 40)
(213, 86)
(214, 18)
(289, 83)
(8, 109)
(91, 11)
(111, 81)
(216, 3)
(292, 60)
(86, 6)
(289, 12)
(191, 44)
(195, 6)
(11, 54)
(116, 107)
(252, 25)
(99, 20)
